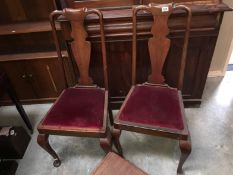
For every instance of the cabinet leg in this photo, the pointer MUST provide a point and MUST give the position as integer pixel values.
(116, 133)
(43, 141)
(185, 148)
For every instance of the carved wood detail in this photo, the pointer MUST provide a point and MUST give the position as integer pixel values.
(80, 47)
(159, 44)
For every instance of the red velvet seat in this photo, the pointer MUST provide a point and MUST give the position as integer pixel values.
(77, 108)
(146, 105)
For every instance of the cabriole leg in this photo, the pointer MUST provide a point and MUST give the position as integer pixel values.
(43, 141)
(185, 148)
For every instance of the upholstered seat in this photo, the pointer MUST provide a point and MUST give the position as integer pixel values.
(150, 102)
(77, 108)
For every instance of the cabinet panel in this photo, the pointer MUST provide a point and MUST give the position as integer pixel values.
(46, 77)
(200, 52)
(25, 10)
(28, 42)
(16, 73)
(35, 80)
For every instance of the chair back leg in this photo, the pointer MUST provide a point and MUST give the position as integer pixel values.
(116, 133)
(106, 142)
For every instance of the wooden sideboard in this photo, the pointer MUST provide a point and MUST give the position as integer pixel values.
(206, 21)
(27, 51)
(30, 48)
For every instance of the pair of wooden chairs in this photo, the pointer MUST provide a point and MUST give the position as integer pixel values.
(151, 108)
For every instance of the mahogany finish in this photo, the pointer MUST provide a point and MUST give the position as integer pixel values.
(114, 163)
(142, 113)
(63, 118)
(205, 25)
(25, 29)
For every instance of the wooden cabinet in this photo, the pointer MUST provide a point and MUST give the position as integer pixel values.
(36, 77)
(27, 51)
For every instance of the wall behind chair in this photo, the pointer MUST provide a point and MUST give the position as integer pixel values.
(224, 45)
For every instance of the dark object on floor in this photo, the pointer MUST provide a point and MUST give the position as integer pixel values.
(116, 165)
(6, 86)
(230, 67)
(81, 110)
(14, 142)
(8, 167)
(154, 108)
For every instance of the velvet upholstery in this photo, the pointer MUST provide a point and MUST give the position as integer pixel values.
(153, 105)
(77, 107)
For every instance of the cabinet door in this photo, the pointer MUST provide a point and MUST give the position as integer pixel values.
(18, 77)
(46, 77)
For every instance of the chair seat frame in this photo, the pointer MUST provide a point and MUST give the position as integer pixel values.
(151, 129)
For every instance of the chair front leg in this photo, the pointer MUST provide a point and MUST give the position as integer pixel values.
(106, 142)
(43, 141)
(185, 148)
(116, 133)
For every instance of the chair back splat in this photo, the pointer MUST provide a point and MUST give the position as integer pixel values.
(159, 43)
(81, 48)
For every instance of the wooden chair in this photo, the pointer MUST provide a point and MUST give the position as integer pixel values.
(116, 165)
(81, 110)
(154, 108)
(6, 86)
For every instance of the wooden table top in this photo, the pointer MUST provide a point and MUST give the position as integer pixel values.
(116, 165)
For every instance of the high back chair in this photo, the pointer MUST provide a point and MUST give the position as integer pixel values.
(81, 110)
(154, 108)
